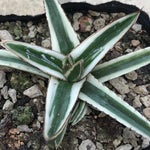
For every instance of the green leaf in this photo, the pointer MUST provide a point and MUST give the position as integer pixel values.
(61, 98)
(63, 37)
(78, 112)
(93, 49)
(54, 143)
(99, 96)
(48, 61)
(74, 73)
(10, 60)
(122, 65)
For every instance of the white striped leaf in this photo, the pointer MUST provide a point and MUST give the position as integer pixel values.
(63, 37)
(61, 98)
(122, 65)
(99, 96)
(10, 60)
(93, 49)
(78, 112)
(48, 61)
(54, 143)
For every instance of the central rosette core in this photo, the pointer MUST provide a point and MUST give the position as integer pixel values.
(72, 70)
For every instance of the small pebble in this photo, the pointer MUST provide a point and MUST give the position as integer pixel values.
(131, 75)
(31, 34)
(8, 105)
(29, 24)
(131, 85)
(135, 42)
(99, 23)
(145, 143)
(120, 84)
(33, 92)
(105, 16)
(46, 43)
(130, 136)
(146, 100)
(4, 92)
(99, 146)
(136, 102)
(124, 147)
(41, 119)
(87, 145)
(2, 78)
(128, 50)
(5, 35)
(117, 141)
(77, 15)
(85, 24)
(12, 94)
(94, 13)
(146, 112)
(141, 90)
(24, 128)
(76, 23)
(137, 27)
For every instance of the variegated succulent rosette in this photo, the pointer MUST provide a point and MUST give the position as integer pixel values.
(75, 79)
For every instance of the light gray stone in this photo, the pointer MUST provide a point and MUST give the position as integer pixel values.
(141, 90)
(87, 145)
(76, 23)
(124, 147)
(33, 92)
(5, 35)
(145, 143)
(77, 15)
(29, 24)
(8, 105)
(94, 13)
(129, 136)
(99, 146)
(146, 100)
(136, 102)
(129, 50)
(131, 85)
(12, 95)
(24, 128)
(2, 78)
(137, 27)
(41, 119)
(120, 84)
(131, 75)
(46, 43)
(99, 23)
(105, 16)
(117, 141)
(146, 112)
(4, 92)
(31, 34)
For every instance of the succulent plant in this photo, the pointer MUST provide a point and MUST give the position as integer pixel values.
(75, 79)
